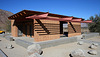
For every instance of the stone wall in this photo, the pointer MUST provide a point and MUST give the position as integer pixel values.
(51, 43)
(90, 35)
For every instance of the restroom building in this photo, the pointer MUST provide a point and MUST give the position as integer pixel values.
(44, 26)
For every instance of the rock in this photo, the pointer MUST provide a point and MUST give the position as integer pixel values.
(92, 52)
(92, 46)
(80, 42)
(35, 48)
(95, 44)
(83, 37)
(11, 39)
(35, 55)
(9, 46)
(77, 53)
(0, 39)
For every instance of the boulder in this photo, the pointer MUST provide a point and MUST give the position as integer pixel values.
(35, 48)
(35, 55)
(9, 46)
(93, 47)
(11, 39)
(83, 37)
(95, 44)
(77, 53)
(92, 52)
(80, 42)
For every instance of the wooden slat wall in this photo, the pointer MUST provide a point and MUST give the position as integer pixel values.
(46, 30)
(74, 29)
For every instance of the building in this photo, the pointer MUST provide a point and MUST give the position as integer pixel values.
(84, 28)
(44, 26)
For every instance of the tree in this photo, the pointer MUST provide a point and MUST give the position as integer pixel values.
(94, 27)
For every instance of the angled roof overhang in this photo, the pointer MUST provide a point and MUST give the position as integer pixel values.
(27, 14)
(45, 16)
(87, 21)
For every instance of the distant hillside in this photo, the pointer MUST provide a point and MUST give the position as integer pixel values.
(4, 18)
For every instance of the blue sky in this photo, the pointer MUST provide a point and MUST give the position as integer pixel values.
(78, 8)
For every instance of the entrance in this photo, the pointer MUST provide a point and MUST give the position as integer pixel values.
(26, 30)
(63, 29)
(31, 30)
(20, 33)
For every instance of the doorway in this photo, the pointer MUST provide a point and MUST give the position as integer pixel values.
(31, 27)
(26, 30)
(20, 33)
(63, 29)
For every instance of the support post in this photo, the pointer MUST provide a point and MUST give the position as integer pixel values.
(14, 29)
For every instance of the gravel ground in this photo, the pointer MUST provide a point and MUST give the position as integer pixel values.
(65, 49)
(56, 51)
(97, 39)
(17, 51)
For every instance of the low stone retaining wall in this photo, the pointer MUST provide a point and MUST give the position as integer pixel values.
(50, 43)
(9, 38)
(46, 44)
(23, 43)
(90, 35)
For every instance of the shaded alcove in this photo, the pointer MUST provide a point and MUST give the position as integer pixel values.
(25, 28)
(63, 29)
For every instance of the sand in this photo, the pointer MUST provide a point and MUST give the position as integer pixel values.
(17, 51)
(97, 39)
(65, 49)
(56, 51)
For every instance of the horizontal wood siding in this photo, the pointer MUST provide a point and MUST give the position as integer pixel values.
(46, 30)
(74, 29)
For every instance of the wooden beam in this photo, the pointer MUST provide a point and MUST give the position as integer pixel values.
(17, 15)
(37, 16)
(58, 19)
(87, 21)
(21, 14)
(76, 20)
(13, 16)
(24, 12)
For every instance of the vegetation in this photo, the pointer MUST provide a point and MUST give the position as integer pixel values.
(95, 27)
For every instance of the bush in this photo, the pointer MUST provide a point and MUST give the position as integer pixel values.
(94, 27)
